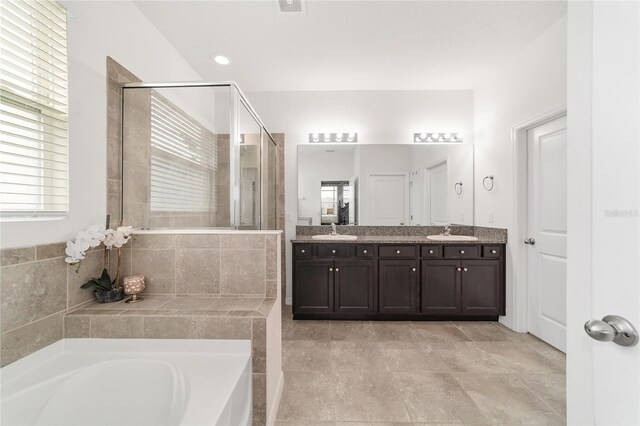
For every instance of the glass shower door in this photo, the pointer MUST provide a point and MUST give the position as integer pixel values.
(248, 149)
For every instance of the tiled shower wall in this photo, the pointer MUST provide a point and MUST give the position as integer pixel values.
(37, 288)
(231, 264)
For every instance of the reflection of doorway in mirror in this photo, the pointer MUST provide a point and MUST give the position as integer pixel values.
(416, 200)
(336, 202)
(436, 193)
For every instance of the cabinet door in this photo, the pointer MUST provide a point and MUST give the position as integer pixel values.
(481, 287)
(440, 286)
(313, 286)
(398, 286)
(354, 286)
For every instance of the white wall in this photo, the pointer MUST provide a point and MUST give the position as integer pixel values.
(97, 30)
(379, 117)
(532, 84)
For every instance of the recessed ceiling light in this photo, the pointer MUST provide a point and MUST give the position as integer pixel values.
(221, 59)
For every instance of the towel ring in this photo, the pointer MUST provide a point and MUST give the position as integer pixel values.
(484, 182)
(458, 188)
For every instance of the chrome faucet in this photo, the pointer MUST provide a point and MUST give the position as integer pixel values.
(333, 229)
(447, 230)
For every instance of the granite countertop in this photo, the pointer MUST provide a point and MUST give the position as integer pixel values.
(397, 239)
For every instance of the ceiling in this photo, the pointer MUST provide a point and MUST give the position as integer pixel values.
(351, 45)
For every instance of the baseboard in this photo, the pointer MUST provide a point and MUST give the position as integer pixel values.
(288, 301)
(276, 401)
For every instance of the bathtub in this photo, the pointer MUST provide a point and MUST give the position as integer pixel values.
(130, 382)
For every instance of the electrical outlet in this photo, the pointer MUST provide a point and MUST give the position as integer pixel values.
(490, 217)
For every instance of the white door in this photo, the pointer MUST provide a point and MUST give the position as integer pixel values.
(387, 199)
(415, 198)
(547, 228)
(438, 205)
(603, 378)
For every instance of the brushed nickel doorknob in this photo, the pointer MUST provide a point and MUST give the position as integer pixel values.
(614, 329)
(530, 241)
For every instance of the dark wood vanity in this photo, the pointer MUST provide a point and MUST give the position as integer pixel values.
(398, 281)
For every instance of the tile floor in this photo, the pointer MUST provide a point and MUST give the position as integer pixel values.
(353, 373)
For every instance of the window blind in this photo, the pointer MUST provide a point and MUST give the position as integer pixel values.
(33, 108)
(183, 160)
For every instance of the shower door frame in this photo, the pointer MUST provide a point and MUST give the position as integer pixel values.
(236, 97)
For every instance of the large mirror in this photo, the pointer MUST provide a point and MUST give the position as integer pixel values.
(385, 184)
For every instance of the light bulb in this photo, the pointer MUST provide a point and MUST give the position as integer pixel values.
(447, 135)
(315, 136)
(327, 137)
(338, 137)
(423, 135)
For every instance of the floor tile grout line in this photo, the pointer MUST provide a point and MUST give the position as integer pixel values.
(517, 376)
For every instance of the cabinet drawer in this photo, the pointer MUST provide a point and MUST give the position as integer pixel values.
(333, 250)
(492, 252)
(431, 251)
(461, 252)
(364, 251)
(302, 251)
(397, 251)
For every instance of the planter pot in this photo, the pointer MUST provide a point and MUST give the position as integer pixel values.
(109, 296)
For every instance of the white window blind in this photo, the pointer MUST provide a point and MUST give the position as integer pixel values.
(33, 108)
(183, 160)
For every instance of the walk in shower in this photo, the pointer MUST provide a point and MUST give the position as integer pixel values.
(195, 155)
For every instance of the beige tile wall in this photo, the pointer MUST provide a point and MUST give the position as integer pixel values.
(228, 264)
(37, 288)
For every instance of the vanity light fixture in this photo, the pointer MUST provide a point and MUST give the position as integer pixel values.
(333, 137)
(442, 137)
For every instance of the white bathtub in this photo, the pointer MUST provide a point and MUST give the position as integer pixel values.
(130, 382)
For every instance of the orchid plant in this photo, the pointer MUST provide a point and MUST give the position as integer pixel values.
(92, 237)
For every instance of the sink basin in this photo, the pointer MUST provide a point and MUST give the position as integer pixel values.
(336, 237)
(452, 238)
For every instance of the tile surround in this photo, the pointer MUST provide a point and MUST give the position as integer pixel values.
(37, 288)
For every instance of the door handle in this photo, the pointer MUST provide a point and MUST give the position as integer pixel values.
(530, 241)
(614, 329)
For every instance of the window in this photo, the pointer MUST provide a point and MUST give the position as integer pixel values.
(183, 160)
(34, 172)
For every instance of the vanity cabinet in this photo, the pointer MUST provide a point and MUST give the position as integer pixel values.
(398, 281)
(398, 286)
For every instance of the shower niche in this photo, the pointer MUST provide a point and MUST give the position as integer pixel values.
(195, 155)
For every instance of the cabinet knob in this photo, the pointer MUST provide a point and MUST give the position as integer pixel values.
(333, 251)
(465, 269)
(337, 269)
(461, 251)
(302, 251)
(493, 251)
(430, 251)
(413, 269)
(459, 269)
(330, 269)
(397, 251)
(364, 251)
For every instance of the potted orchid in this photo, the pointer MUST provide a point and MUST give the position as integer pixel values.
(106, 289)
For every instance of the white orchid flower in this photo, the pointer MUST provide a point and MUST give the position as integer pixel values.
(117, 238)
(83, 241)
